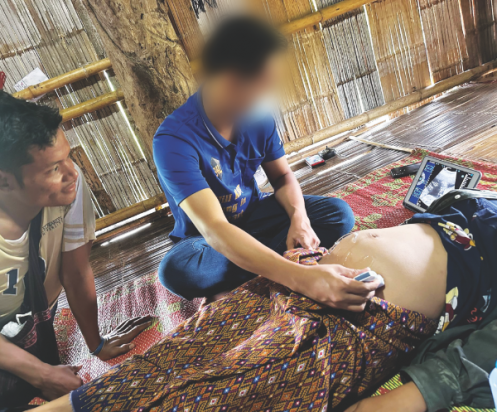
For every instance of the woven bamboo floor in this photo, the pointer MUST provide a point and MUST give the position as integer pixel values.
(459, 123)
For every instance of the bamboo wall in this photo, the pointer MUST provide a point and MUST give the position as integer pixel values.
(338, 69)
(375, 54)
(54, 36)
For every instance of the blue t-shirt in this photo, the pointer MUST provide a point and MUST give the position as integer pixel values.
(191, 155)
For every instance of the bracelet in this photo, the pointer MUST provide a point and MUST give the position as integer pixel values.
(99, 347)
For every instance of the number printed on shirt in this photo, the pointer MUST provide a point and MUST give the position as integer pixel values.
(12, 278)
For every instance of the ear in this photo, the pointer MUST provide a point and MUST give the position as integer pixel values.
(8, 182)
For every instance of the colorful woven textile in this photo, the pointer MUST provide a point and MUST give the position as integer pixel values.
(305, 256)
(262, 347)
(377, 202)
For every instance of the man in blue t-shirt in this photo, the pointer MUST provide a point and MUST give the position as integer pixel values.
(207, 153)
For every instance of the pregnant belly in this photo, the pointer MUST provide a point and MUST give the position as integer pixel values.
(411, 259)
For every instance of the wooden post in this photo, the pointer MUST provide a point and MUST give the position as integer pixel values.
(151, 66)
(79, 157)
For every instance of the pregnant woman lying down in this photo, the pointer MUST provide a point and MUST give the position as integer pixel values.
(265, 348)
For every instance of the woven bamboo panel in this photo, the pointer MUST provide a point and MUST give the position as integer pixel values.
(352, 61)
(399, 47)
(310, 101)
(445, 42)
(487, 30)
(49, 34)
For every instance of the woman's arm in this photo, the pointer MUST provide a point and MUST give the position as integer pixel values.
(407, 398)
(457, 373)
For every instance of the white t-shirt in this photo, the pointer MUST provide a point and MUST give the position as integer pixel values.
(63, 229)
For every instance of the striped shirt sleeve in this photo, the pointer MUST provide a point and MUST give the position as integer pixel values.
(79, 220)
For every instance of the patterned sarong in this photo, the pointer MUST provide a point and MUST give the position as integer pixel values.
(262, 348)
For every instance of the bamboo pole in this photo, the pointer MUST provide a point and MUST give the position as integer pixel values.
(91, 105)
(382, 145)
(410, 99)
(130, 211)
(322, 15)
(60, 81)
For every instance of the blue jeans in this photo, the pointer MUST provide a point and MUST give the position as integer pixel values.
(194, 269)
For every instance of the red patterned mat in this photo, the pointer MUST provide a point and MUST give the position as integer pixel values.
(144, 296)
(377, 198)
(377, 203)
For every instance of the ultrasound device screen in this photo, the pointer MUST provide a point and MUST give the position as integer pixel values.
(435, 180)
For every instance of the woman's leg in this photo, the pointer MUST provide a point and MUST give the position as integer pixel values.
(60, 405)
(262, 347)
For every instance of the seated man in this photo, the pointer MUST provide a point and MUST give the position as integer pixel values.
(47, 226)
(263, 347)
(207, 153)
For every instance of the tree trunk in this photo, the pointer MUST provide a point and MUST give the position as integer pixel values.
(150, 64)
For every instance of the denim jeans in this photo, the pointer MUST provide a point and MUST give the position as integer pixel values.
(194, 269)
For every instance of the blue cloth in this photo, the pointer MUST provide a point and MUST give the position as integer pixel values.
(468, 230)
(191, 156)
(194, 269)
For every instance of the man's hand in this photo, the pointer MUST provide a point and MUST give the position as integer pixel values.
(301, 234)
(56, 381)
(118, 342)
(407, 398)
(333, 285)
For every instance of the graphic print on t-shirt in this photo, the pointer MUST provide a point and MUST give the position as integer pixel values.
(216, 166)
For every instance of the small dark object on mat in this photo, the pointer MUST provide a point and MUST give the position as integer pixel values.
(327, 153)
(398, 172)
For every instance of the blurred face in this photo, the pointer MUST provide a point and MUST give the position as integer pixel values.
(50, 180)
(243, 94)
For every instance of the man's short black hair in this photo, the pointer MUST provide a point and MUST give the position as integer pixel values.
(22, 126)
(241, 44)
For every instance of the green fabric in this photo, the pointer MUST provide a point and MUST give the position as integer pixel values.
(453, 367)
(396, 382)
